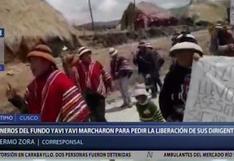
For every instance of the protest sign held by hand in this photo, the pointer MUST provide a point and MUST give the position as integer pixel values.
(211, 94)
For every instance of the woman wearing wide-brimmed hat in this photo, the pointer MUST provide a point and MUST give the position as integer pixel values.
(176, 84)
(51, 94)
(93, 81)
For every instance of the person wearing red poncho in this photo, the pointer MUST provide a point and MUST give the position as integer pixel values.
(93, 81)
(51, 94)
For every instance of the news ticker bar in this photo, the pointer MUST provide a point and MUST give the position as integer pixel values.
(19, 118)
(117, 136)
(118, 155)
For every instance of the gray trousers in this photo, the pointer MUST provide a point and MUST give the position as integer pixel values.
(123, 86)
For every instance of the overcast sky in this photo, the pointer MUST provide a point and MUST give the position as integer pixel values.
(76, 11)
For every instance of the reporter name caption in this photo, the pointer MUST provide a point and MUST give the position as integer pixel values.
(133, 155)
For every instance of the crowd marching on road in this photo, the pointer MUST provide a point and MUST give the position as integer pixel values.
(79, 94)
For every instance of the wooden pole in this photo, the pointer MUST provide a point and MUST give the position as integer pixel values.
(134, 19)
(91, 14)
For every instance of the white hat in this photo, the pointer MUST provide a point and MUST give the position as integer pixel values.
(83, 50)
(186, 46)
(140, 92)
(148, 45)
(140, 89)
(187, 35)
(65, 48)
(219, 26)
(113, 51)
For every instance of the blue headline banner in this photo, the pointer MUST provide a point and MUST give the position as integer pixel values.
(117, 136)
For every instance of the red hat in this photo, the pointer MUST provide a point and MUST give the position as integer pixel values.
(42, 51)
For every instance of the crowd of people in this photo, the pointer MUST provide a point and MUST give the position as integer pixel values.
(79, 94)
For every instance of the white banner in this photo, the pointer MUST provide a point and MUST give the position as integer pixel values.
(211, 92)
(232, 12)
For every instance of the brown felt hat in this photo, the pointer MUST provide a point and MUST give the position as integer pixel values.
(42, 51)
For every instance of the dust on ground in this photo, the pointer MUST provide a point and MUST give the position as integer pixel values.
(19, 75)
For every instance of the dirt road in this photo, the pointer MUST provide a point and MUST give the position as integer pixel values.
(19, 75)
